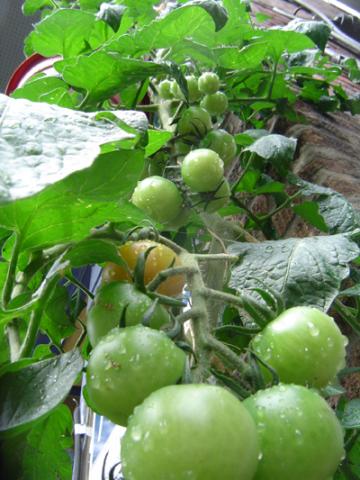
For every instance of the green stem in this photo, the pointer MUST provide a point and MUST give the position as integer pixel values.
(78, 284)
(35, 319)
(285, 204)
(253, 217)
(223, 297)
(164, 274)
(228, 355)
(169, 243)
(12, 333)
(10, 276)
(215, 256)
(350, 319)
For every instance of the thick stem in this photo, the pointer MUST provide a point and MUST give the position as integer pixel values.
(223, 297)
(10, 276)
(169, 243)
(12, 333)
(215, 256)
(35, 319)
(164, 274)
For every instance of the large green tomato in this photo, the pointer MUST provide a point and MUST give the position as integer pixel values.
(304, 346)
(190, 432)
(222, 143)
(158, 197)
(126, 366)
(202, 170)
(193, 89)
(164, 89)
(209, 83)
(300, 436)
(215, 104)
(108, 307)
(194, 122)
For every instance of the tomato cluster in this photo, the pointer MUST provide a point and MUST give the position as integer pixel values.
(201, 151)
(282, 428)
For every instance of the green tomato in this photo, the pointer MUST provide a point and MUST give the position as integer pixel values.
(194, 122)
(209, 83)
(222, 143)
(202, 170)
(213, 201)
(159, 198)
(165, 89)
(215, 104)
(109, 303)
(304, 346)
(184, 432)
(126, 366)
(300, 436)
(194, 92)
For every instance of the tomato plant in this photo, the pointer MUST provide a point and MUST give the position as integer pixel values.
(126, 366)
(159, 145)
(112, 301)
(304, 346)
(160, 258)
(172, 435)
(299, 433)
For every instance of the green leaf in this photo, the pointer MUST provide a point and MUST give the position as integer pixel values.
(276, 149)
(280, 41)
(351, 292)
(214, 9)
(111, 14)
(353, 68)
(304, 271)
(187, 21)
(65, 32)
(249, 56)
(93, 197)
(319, 32)
(32, 6)
(351, 416)
(337, 211)
(270, 187)
(41, 453)
(93, 251)
(31, 393)
(33, 133)
(309, 211)
(103, 74)
(157, 139)
(248, 181)
(46, 89)
(56, 322)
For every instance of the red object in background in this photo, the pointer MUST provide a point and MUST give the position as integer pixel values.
(32, 65)
(38, 64)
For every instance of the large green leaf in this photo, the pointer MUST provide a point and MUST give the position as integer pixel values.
(67, 32)
(276, 149)
(31, 393)
(305, 271)
(46, 89)
(42, 144)
(43, 452)
(338, 213)
(93, 196)
(32, 6)
(319, 32)
(103, 74)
